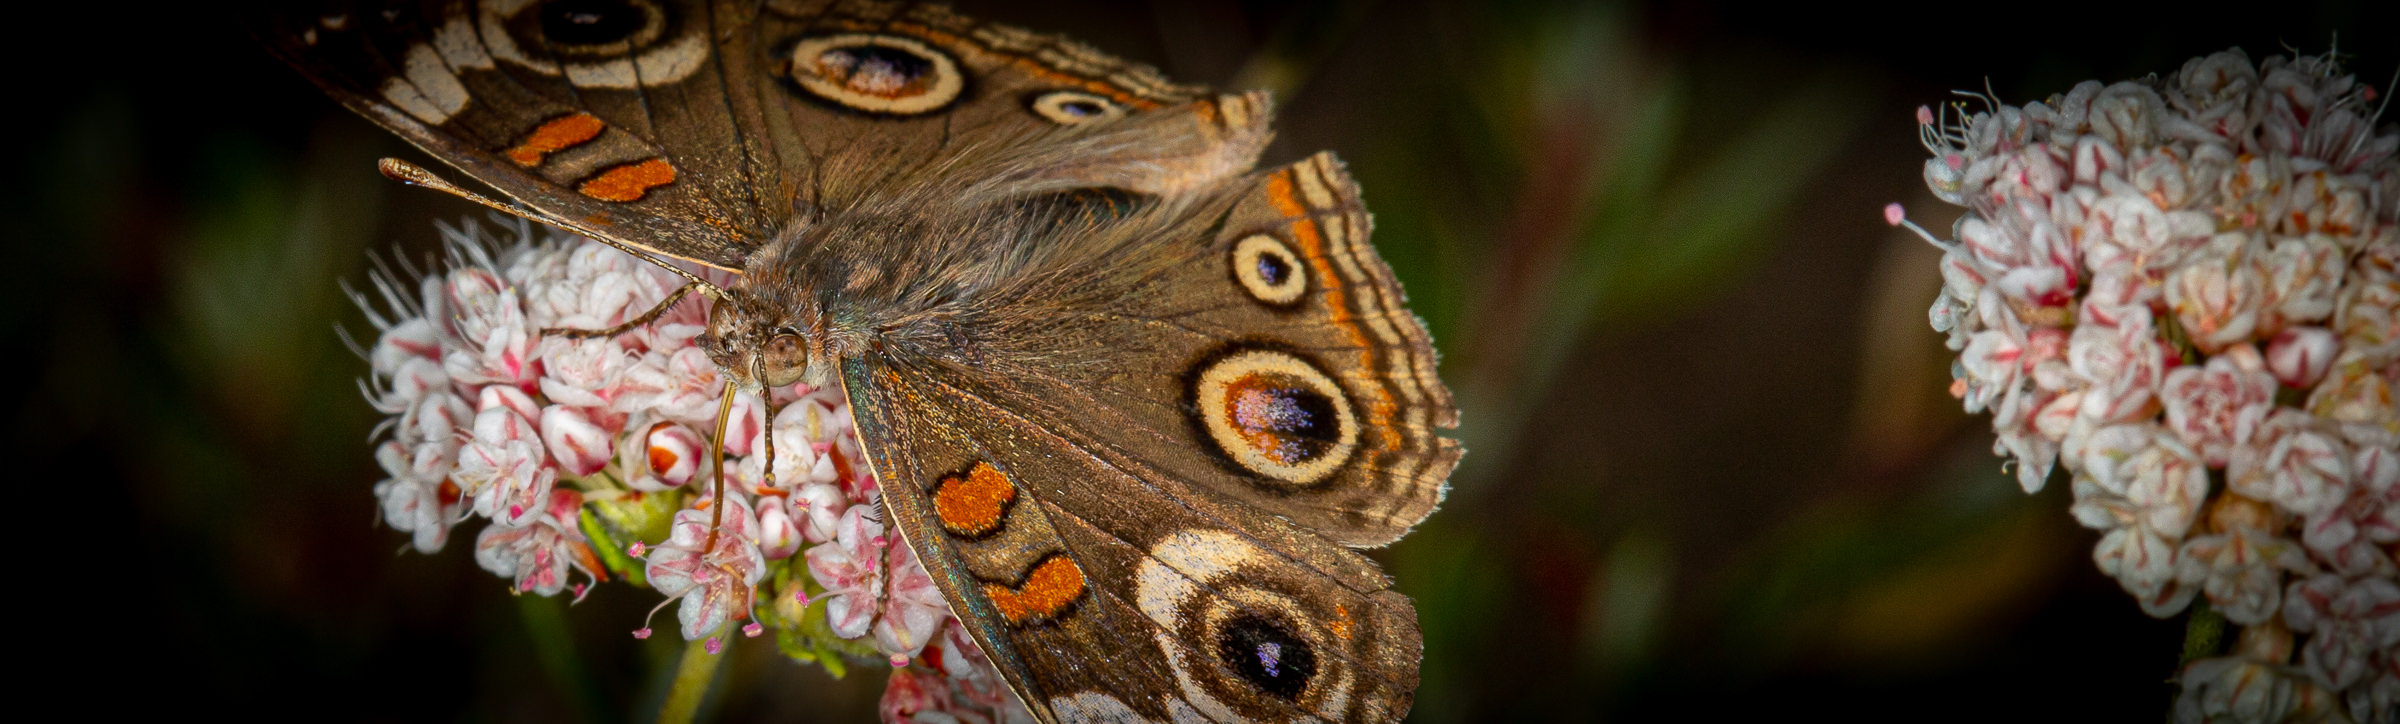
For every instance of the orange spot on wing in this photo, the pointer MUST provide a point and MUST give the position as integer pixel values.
(558, 134)
(1341, 621)
(971, 504)
(630, 181)
(1048, 590)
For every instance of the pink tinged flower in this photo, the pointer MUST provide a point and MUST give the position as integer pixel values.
(504, 468)
(850, 569)
(414, 379)
(580, 447)
(2125, 115)
(803, 433)
(409, 339)
(2121, 365)
(914, 696)
(2299, 356)
(494, 341)
(2302, 278)
(2219, 406)
(2241, 571)
(583, 372)
(426, 510)
(508, 398)
(2367, 312)
(716, 584)
(912, 606)
(681, 386)
(2358, 398)
(779, 534)
(2295, 461)
(822, 506)
(2215, 93)
(2370, 515)
(2220, 292)
(2145, 488)
(2239, 689)
(538, 555)
(2349, 620)
(663, 456)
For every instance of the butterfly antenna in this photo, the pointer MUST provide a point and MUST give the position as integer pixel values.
(716, 443)
(414, 175)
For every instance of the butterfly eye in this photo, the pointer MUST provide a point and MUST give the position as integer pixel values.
(783, 359)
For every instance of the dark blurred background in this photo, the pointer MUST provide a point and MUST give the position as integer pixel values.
(1713, 470)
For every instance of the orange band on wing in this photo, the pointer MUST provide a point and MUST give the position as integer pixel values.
(971, 504)
(630, 181)
(1283, 192)
(558, 134)
(1048, 591)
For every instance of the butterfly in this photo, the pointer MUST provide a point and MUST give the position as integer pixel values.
(1135, 403)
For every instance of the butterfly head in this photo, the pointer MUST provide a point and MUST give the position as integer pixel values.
(756, 343)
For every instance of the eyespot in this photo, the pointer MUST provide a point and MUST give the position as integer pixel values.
(621, 44)
(1266, 653)
(886, 74)
(600, 22)
(1268, 270)
(1275, 414)
(1068, 108)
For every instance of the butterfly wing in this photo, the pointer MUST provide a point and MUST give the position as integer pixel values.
(694, 129)
(1143, 499)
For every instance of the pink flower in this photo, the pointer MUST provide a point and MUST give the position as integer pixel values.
(411, 338)
(583, 372)
(2295, 461)
(2121, 365)
(2220, 292)
(850, 569)
(2241, 570)
(2302, 277)
(2144, 488)
(2218, 407)
(2299, 356)
(504, 468)
(716, 584)
(424, 509)
(2215, 93)
(912, 606)
(822, 507)
(802, 431)
(494, 343)
(2367, 311)
(2350, 620)
(580, 447)
(682, 386)
(662, 456)
(2372, 510)
(539, 554)
(2358, 398)
(779, 534)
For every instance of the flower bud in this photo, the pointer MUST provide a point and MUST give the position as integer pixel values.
(2299, 356)
(580, 447)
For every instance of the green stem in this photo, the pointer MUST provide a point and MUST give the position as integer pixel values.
(692, 677)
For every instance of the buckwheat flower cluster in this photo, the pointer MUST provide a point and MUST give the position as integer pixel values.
(588, 458)
(2185, 293)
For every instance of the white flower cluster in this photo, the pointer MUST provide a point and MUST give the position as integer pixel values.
(2186, 292)
(591, 456)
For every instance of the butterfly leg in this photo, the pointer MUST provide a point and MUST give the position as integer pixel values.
(630, 324)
